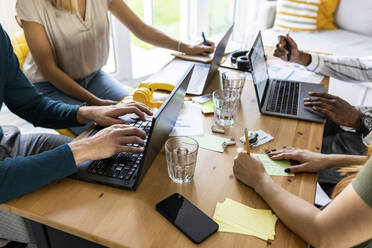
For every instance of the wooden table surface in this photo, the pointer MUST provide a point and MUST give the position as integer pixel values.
(119, 218)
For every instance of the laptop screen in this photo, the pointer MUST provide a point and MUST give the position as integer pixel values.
(260, 73)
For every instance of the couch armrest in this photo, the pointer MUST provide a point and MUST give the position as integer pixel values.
(267, 14)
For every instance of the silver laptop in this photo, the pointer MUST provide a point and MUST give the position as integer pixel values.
(280, 97)
(203, 73)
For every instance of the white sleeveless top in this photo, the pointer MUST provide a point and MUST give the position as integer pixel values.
(80, 47)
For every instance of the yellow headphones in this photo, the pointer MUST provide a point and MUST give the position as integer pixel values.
(144, 93)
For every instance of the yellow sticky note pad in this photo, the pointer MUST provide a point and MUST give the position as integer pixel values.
(207, 107)
(211, 142)
(235, 217)
(274, 167)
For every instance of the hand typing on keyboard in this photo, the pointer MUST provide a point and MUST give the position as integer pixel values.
(109, 115)
(108, 142)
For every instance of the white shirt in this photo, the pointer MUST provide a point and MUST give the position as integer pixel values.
(80, 47)
(351, 69)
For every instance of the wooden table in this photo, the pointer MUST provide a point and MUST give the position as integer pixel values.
(119, 218)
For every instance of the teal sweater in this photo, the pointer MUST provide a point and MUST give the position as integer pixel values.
(22, 175)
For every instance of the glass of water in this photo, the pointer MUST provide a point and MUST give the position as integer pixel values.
(181, 154)
(225, 106)
(234, 81)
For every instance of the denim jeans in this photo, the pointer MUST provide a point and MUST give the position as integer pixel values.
(98, 83)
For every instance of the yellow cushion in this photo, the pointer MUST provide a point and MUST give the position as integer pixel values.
(20, 46)
(305, 15)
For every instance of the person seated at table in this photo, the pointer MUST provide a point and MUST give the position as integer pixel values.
(357, 136)
(29, 162)
(348, 129)
(345, 222)
(69, 42)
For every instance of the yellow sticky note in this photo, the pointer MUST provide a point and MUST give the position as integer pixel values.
(235, 217)
(207, 107)
(211, 142)
(273, 167)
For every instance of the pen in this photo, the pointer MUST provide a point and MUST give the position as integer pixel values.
(204, 39)
(248, 146)
(288, 48)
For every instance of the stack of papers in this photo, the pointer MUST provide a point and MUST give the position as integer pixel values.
(274, 167)
(235, 217)
(189, 121)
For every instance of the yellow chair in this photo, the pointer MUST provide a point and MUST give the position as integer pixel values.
(21, 50)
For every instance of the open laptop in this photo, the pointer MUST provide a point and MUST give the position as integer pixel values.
(203, 73)
(126, 170)
(280, 97)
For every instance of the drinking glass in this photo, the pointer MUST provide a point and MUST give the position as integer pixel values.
(234, 81)
(181, 154)
(225, 106)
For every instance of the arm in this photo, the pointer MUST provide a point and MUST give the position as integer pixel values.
(314, 162)
(343, 68)
(347, 221)
(41, 50)
(152, 35)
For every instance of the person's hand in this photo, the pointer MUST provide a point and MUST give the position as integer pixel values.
(248, 169)
(108, 115)
(309, 161)
(108, 142)
(200, 49)
(105, 102)
(297, 56)
(337, 109)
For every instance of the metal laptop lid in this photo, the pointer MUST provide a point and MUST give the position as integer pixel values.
(163, 123)
(218, 54)
(260, 74)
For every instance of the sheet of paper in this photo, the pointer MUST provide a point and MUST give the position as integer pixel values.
(211, 142)
(321, 198)
(207, 108)
(235, 217)
(274, 167)
(289, 71)
(189, 122)
(262, 138)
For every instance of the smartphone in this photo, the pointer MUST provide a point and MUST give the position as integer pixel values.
(190, 220)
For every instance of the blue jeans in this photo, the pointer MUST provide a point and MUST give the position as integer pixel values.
(98, 83)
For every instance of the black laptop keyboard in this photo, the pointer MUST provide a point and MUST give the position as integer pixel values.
(122, 166)
(284, 97)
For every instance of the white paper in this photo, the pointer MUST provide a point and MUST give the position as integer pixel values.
(321, 198)
(262, 138)
(289, 71)
(189, 122)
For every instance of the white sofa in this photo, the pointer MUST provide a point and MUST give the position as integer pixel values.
(353, 38)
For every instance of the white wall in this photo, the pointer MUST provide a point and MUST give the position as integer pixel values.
(7, 15)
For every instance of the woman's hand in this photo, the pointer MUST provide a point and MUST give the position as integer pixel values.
(200, 49)
(297, 56)
(108, 115)
(248, 169)
(108, 142)
(309, 161)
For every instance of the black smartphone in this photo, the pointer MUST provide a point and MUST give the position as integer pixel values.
(195, 224)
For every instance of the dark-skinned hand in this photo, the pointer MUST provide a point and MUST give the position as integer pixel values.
(337, 109)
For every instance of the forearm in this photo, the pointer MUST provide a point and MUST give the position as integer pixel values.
(22, 175)
(294, 212)
(342, 68)
(67, 85)
(339, 160)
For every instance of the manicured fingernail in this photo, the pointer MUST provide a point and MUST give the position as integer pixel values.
(267, 151)
(287, 170)
(269, 155)
(306, 99)
(273, 150)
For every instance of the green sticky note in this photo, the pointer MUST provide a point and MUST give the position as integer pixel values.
(207, 107)
(274, 167)
(211, 142)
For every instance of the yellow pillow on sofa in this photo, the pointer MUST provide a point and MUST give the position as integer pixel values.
(305, 15)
